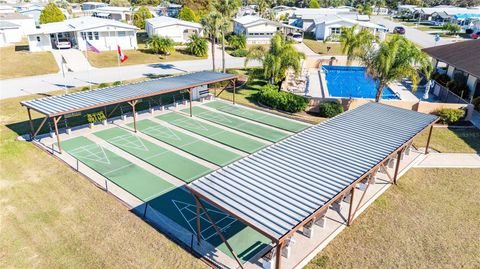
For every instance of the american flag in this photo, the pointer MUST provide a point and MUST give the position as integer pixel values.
(90, 47)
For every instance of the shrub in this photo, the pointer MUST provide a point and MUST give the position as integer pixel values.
(85, 88)
(237, 41)
(459, 88)
(330, 109)
(476, 103)
(441, 78)
(117, 83)
(197, 46)
(161, 44)
(239, 53)
(270, 96)
(450, 115)
(103, 85)
(140, 16)
(187, 14)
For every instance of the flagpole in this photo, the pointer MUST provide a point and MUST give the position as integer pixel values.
(116, 41)
(63, 74)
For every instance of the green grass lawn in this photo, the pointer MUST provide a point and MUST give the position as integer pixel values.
(458, 140)
(16, 64)
(321, 47)
(430, 220)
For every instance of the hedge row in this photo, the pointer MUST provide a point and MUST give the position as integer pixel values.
(270, 95)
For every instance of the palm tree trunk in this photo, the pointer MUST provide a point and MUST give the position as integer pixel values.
(223, 52)
(213, 53)
(378, 95)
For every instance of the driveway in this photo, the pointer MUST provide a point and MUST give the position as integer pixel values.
(421, 38)
(53, 82)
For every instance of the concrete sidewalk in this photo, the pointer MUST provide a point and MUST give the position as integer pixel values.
(450, 160)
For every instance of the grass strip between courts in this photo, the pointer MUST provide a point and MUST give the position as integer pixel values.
(187, 143)
(166, 160)
(215, 133)
(272, 120)
(254, 129)
(130, 177)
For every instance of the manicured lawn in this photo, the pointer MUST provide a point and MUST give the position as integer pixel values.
(16, 64)
(430, 220)
(429, 28)
(140, 56)
(51, 217)
(321, 47)
(463, 140)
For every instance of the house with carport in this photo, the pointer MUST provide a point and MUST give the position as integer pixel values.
(259, 30)
(331, 25)
(103, 34)
(176, 29)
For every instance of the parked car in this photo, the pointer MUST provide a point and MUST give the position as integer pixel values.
(386, 28)
(297, 37)
(63, 44)
(399, 30)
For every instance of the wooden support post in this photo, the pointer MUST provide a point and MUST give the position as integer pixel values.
(111, 112)
(218, 231)
(428, 140)
(278, 256)
(55, 122)
(198, 223)
(350, 216)
(233, 91)
(40, 127)
(190, 96)
(397, 166)
(387, 173)
(133, 104)
(32, 130)
(360, 201)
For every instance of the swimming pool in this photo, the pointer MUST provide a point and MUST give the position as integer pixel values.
(352, 81)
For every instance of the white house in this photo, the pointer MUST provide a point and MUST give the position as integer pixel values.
(92, 5)
(305, 17)
(25, 23)
(442, 13)
(259, 30)
(176, 29)
(103, 34)
(33, 12)
(331, 25)
(9, 33)
(114, 13)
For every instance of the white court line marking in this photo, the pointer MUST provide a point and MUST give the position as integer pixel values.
(215, 116)
(160, 130)
(191, 123)
(128, 141)
(98, 156)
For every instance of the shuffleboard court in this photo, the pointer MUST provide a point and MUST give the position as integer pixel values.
(272, 120)
(187, 143)
(215, 133)
(179, 206)
(130, 177)
(166, 160)
(257, 130)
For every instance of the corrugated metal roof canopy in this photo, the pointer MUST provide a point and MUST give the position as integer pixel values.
(277, 188)
(59, 105)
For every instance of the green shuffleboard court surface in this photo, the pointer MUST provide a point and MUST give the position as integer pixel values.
(272, 120)
(179, 206)
(257, 130)
(166, 160)
(215, 133)
(130, 177)
(187, 143)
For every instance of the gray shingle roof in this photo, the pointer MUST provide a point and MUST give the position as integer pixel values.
(58, 105)
(278, 187)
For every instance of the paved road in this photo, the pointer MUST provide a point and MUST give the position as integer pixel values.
(421, 38)
(52, 82)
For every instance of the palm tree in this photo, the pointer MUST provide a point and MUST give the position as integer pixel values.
(227, 9)
(277, 59)
(197, 46)
(211, 25)
(395, 59)
(355, 43)
(161, 44)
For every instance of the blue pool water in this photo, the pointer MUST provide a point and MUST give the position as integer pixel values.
(352, 81)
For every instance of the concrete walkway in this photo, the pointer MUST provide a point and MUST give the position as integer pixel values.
(75, 60)
(54, 82)
(450, 160)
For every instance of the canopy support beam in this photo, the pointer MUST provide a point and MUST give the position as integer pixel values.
(428, 140)
(278, 255)
(32, 130)
(198, 222)
(397, 166)
(387, 173)
(233, 83)
(350, 216)
(190, 96)
(226, 86)
(39, 127)
(55, 123)
(218, 231)
(133, 103)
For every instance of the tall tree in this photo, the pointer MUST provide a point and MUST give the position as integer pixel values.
(51, 13)
(226, 8)
(139, 17)
(313, 4)
(187, 14)
(211, 26)
(355, 43)
(365, 9)
(395, 59)
(281, 56)
(161, 44)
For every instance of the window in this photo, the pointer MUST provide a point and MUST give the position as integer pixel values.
(122, 33)
(90, 36)
(96, 35)
(335, 31)
(84, 35)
